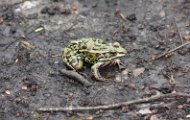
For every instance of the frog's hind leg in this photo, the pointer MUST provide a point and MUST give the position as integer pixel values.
(96, 72)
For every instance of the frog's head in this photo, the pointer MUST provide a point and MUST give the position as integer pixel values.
(113, 51)
(120, 51)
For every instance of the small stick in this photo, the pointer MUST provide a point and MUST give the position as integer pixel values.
(172, 50)
(9, 44)
(116, 105)
(76, 76)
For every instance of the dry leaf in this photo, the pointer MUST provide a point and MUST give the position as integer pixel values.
(120, 15)
(27, 44)
(186, 37)
(145, 111)
(138, 71)
(39, 29)
(152, 57)
(8, 92)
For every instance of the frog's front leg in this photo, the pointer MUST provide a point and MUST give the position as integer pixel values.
(95, 71)
(68, 64)
(119, 63)
(75, 62)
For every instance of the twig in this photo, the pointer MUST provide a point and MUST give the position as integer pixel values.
(9, 44)
(172, 50)
(116, 105)
(68, 29)
(76, 76)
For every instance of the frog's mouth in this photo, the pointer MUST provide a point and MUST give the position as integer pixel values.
(117, 55)
(120, 54)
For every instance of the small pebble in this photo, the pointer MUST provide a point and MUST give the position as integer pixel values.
(8, 92)
(180, 106)
(131, 86)
(24, 87)
(131, 17)
(47, 95)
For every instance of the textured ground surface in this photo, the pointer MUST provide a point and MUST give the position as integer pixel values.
(144, 27)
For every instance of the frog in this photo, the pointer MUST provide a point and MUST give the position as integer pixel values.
(94, 51)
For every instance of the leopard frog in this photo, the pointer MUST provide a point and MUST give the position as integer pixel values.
(94, 51)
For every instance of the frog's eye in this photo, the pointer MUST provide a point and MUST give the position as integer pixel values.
(116, 45)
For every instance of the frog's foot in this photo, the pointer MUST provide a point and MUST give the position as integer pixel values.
(96, 72)
(119, 63)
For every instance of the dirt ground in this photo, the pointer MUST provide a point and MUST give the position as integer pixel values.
(33, 33)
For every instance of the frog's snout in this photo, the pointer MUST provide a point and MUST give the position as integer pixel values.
(125, 51)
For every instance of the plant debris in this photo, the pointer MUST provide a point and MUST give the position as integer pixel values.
(154, 98)
(168, 53)
(75, 76)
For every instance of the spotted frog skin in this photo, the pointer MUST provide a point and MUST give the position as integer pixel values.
(94, 51)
